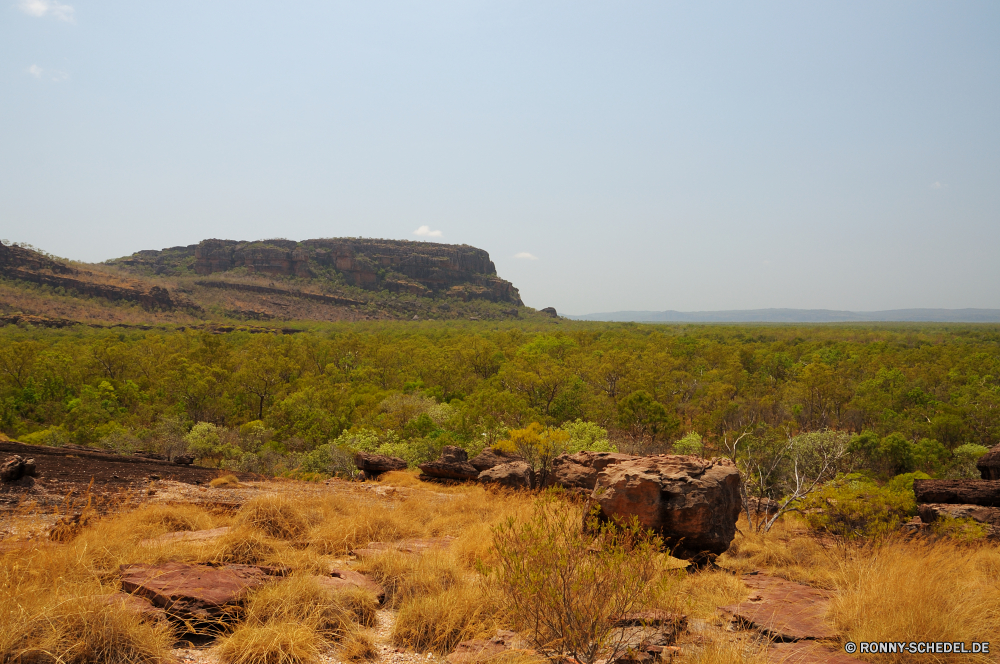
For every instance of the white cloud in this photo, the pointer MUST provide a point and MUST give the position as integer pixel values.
(52, 74)
(525, 254)
(938, 185)
(427, 232)
(43, 8)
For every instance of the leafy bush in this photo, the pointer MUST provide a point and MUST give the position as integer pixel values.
(855, 508)
(587, 436)
(960, 530)
(689, 444)
(207, 441)
(565, 587)
(963, 461)
(538, 445)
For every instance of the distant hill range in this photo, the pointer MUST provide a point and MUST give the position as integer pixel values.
(800, 316)
(268, 280)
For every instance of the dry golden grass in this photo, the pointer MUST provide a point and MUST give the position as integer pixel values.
(358, 646)
(225, 482)
(438, 621)
(790, 550)
(271, 643)
(276, 515)
(912, 591)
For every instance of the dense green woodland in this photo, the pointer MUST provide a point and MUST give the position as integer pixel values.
(920, 390)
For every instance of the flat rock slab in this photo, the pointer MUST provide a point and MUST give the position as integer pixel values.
(414, 546)
(342, 579)
(199, 592)
(481, 650)
(783, 609)
(958, 492)
(186, 536)
(808, 652)
(140, 606)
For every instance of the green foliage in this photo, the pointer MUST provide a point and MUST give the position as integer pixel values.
(538, 446)
(209, 442)
(966, 531)
(691, 443)
(856, 508)
(586, 436)
(964, 459)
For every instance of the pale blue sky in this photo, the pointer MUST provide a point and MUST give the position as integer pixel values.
(650, 155)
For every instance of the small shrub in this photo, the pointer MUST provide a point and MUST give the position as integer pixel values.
(358, 646)
(960, 530)
(272, 643)
(564, 586)
(855, 508)
(225, 482)
(273, 514)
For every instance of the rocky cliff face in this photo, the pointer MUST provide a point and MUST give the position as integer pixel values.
(21, 263)
(420, 268)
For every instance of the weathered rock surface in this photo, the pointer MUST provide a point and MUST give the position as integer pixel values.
(191, 591)
(140, 606)
(958, 492)
(208, 535)
(482, 650)
(16, 468)
(579, 470)
(513, 475)
(184, 459)
(989, 464)
(931, 512)
(490, 457)
(414, 546)
(342, 579)
(693, 503)
(452, 465)
(784, 610)
(376, 464)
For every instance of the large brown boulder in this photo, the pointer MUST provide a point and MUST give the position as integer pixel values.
(691, 502)
(958, 492)
(490, 457)
(376, 464)
(513, 475)
(453, 465)
(195, 592)
(579, 471)
(16, 468)
(989, 464)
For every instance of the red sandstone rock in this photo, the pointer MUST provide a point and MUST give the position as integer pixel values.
(580, 470)
(453, 465)
(376, 464)
(931, 512)
(989, 464)
(490, 457)
(513, 475)
(958, 492)
(199, 592)
(482, 650)
(341, 579)
(784, 609)
(691, 502)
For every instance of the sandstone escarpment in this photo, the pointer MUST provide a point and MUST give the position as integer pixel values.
(418, 268)
(27, 265)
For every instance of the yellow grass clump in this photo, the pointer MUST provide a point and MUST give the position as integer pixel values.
(225, 482)
(274, 514)
(271, 643)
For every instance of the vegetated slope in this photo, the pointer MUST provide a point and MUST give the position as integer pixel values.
(281, 280)
(799, 316)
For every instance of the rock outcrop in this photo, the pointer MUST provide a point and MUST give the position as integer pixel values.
(195, 592)
(579, 470)
(958, 492)
(490, 457)
(989, 464)
(27, 265)
(990, 516)
(512, 475)
(452, 465)
(17, 468)
(692, 503)
(342, 579)
(376, 464)
(419, 268)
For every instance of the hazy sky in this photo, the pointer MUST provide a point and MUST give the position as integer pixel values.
(609, 156)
